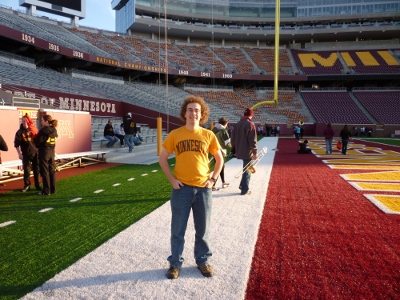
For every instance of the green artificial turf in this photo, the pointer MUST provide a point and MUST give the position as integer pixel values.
(40, 245)
(392, 141)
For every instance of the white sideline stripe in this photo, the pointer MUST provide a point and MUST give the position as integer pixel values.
(131, 179)
(98, 191)
(7, 223)
(133, 265)
(45, 209)
(116, 184)
(75, 200)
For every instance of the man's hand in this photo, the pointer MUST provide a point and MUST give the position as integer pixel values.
(176, 184)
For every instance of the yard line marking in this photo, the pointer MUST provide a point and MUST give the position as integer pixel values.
(154, 171)
(45, 210)
(387, 176)
(75, 200)
(7, 223)
(389, 204)
(376, 186)
(116, 184)
(145, 174)
(98, 191)
(130, 179)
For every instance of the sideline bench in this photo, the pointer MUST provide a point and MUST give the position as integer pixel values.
(101, 140)
(79, 159)
(12, 169)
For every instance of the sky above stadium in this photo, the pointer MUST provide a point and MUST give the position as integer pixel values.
(98, 13)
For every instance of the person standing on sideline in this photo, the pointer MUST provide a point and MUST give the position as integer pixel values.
(130, 131)
(191, 183)
(244, 142)
(46, 143)
(109, 134)
(225, 143)
(28, 153)
(328, 134)
(297, 132)
(345, 135)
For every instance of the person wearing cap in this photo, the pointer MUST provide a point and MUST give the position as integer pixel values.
(244, 142)
(130, 131)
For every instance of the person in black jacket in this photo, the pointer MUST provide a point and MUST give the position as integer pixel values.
(110, 135)
(130, 131)
(345, 135)
(302, 149)
(46, 143)
(28, 153)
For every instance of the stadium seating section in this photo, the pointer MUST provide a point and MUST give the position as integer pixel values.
(358, 107)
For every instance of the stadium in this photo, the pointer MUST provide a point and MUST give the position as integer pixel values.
(328, 61)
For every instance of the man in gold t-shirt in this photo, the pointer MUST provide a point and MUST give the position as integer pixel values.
(191, 183)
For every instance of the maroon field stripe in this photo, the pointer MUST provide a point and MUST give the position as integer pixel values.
(320, 238)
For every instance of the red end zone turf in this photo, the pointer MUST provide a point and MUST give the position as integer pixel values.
(320, 238)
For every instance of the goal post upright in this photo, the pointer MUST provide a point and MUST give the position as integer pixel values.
(276, 57)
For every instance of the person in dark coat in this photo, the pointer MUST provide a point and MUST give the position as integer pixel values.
(303, 148)
(244, 143)
(109, 134)
(28, 153)
(345, 135)
(46, 143)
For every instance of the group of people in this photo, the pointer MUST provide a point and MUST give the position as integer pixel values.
(126, 133)
(36, 149)
(344, 134)
(329, 133)
(191, 179)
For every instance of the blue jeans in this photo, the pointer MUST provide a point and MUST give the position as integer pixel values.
(129, 140)
(328, 146)
(344, 146)
(111, 140)
(199, 200)
(245, 182)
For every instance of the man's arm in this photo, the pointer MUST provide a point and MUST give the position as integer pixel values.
(252, 142)
(19, 152)
(163, 161)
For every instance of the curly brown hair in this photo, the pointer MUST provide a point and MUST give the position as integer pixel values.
(205, 110)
